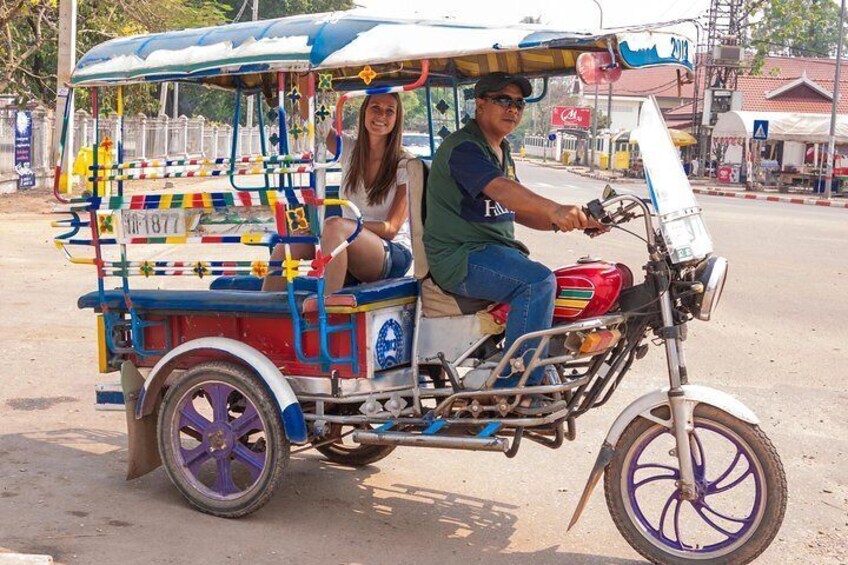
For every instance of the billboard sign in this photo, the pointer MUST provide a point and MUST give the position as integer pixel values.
(571, 117)
(23, 149)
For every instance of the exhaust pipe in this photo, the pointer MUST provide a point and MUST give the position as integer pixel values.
(498, 444)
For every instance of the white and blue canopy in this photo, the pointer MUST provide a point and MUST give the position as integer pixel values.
(343, 43)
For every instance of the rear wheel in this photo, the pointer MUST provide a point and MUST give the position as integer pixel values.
(221, 440)
(740, 482)
(346, 452)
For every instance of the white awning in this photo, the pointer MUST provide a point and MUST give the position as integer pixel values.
(782, 126)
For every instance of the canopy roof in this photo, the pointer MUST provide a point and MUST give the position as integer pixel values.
(344, 42)
(783, 126)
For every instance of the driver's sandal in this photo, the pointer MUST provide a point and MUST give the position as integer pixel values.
(537, 405)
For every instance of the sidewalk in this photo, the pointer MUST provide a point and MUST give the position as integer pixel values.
(708, 187)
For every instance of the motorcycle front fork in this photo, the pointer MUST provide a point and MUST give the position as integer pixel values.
(682, 423)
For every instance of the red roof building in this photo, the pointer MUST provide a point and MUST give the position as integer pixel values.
(784, 84)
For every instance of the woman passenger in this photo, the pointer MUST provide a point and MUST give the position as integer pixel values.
(374, 179)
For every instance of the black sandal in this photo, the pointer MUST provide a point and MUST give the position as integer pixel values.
(538, 405)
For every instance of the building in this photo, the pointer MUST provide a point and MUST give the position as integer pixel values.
(792, 85)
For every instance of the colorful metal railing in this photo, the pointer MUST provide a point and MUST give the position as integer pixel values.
(279, 213)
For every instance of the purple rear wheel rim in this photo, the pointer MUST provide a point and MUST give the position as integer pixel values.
(734, 529)
(219, 438)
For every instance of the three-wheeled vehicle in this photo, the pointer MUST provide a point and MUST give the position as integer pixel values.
(220, 382)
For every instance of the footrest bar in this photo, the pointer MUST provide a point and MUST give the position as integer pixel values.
(490, 429)
(500, 445)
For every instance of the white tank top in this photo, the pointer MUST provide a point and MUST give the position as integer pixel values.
(378, 212)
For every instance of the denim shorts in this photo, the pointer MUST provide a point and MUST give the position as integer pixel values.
(397, 261)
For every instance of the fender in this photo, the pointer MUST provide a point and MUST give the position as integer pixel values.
(642, 407)
(293, 421)
(692, 394)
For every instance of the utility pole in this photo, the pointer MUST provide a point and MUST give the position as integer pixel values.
(831, 146)
(719, 63)
(609, 129)
(175, 111)
(64, 67)
(595, 109)
(251, 97)
(594, 130)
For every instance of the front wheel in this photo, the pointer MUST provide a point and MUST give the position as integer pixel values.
(740, 482)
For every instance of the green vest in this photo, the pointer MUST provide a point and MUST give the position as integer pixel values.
(457, 224)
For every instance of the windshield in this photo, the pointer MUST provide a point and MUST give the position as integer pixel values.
(680, 217)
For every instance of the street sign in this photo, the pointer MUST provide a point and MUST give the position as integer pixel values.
(551, 137)
(571, 117)
(761, 129)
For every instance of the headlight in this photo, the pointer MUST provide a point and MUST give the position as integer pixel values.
(712, 274)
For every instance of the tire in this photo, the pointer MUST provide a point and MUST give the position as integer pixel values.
(352, 455)
(223, 463)
(754, 474)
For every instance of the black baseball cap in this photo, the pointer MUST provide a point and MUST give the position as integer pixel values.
(497, 81)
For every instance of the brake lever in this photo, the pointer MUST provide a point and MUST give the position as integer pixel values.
(596, 211)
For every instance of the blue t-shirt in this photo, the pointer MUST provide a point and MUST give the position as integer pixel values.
(461, 219)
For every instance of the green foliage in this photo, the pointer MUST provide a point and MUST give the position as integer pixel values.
(29, 40)
(802, 28)
(31, 30)
(282, 8)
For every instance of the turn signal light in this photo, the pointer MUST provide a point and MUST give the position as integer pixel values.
(593, 342)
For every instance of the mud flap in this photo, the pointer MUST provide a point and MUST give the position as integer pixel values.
(604, 457)
(143, 452)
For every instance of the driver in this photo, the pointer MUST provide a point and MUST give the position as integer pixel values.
(473, 202)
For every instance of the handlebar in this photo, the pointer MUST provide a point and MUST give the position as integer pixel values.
(599, 210)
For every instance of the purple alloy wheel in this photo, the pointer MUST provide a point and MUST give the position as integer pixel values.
(220, 440)
(715, 523)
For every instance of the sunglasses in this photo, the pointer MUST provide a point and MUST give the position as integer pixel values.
(505, 101)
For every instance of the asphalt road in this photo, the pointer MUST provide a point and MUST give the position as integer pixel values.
(778, 342)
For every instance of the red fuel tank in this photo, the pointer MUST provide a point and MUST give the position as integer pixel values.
(588, 289)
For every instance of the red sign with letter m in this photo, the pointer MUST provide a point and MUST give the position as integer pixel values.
(571, 117)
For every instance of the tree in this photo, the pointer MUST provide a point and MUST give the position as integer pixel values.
(29, 29)
(270, 9)
(218, 105)
(795, 28)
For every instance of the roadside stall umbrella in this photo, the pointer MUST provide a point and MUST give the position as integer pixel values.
(679, 138)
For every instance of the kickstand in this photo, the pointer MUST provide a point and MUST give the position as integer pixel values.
(453, 377)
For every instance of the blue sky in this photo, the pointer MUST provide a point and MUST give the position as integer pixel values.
(562, 14)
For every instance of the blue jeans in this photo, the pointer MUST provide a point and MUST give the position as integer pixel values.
(397, 262)
(503, 274)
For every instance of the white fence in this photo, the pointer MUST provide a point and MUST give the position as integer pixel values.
(143, 138)
(565, 144)
(152, 138)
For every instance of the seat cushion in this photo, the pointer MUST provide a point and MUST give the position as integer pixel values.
(250, 301)
(436, 303)
(367, 294)
(218, 301)
(249, 282)
(246, 282)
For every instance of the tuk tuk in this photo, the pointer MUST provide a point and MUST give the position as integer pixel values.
(221, 381)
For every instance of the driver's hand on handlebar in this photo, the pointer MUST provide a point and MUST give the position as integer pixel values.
(568, 217)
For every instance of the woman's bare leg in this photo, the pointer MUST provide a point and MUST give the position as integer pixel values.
(363, 258)
(276, 283)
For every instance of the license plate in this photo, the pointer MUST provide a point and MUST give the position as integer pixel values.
(152, 223)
